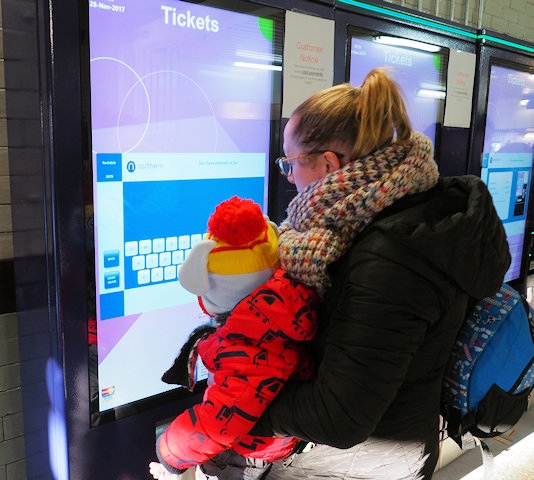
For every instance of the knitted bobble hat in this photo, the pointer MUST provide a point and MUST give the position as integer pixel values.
(239, 254)
(246, 241)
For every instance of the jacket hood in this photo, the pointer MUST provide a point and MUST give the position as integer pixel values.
(456, 228)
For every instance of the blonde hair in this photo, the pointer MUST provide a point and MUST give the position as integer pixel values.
(368, 117)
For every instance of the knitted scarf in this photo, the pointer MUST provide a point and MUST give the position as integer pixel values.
(325, 218)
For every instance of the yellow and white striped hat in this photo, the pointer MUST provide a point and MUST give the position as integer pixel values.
(239, 254)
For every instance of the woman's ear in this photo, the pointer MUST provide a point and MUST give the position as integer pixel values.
(332, 161)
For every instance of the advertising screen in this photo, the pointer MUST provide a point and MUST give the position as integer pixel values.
(182, 99)
(507, 157)
(419, 68)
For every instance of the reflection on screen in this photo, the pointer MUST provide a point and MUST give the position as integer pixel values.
(418, 68)
(181, 114)
(508, 154)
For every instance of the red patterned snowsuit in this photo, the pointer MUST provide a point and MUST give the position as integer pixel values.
(251, 356)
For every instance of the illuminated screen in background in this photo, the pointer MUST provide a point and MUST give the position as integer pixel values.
(507, 156)
(419, 68)
(181, 100)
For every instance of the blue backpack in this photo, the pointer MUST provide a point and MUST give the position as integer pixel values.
(491, 370)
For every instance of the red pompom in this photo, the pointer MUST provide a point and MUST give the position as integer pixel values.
(236, 221)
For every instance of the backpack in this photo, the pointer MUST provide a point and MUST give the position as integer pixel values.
(491, 369)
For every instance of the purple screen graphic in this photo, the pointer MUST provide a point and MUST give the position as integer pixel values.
(181, 105)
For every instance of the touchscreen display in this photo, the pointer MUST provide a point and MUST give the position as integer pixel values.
(507, 157)
(419, 69)
(181, 102)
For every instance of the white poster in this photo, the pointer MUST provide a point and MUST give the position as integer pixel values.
(460, 81)
(308, 58)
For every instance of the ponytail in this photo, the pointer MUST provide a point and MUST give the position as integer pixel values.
(381, 114)
(364, 119)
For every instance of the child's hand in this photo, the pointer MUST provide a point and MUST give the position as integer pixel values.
(159, 472)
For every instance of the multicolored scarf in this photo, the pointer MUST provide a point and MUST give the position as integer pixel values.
(324, 219)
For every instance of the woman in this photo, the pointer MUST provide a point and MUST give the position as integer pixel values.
(397, 254)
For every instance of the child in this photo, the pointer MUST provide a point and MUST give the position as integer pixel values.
(253, 351)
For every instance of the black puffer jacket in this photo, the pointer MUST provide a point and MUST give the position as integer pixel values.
(389, 321)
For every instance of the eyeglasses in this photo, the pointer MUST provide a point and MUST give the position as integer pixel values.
(286, 167)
